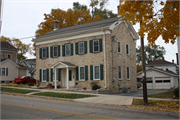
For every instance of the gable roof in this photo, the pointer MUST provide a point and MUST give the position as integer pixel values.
(18, 65)
(6, 45)
(66, 64)
(160, 70)
(160, 62)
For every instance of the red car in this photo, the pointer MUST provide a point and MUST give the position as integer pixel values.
(24, 80)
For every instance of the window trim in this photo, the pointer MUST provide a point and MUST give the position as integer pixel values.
(119, 46)
(98, 46)
(128, 49)
(9, 55)
(53, 50)
(94, 72)
(118, 73)
(45, 52)
(4, 71)
(70, 49)
(79, 48)
(42, 75)
(129, 73)
(80, 73)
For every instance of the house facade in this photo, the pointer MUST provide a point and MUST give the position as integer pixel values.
(101, 52)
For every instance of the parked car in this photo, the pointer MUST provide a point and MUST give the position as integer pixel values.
(24, 80)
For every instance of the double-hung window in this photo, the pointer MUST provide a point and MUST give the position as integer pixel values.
(3, 71)
(127, 49)
(95, 45)
(44, 75)
(119, 72)
(55, 51)
(97, 72)
(68, 49)
(81, 47)
(119, 47)
(9, 56)
(128, 73)
(43, 52)
(82, 73)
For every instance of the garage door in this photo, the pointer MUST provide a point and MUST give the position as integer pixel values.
(149, 83)
(163, 84)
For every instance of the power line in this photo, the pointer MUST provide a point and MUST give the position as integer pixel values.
(26, 37)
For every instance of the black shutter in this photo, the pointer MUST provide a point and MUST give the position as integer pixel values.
(58, 50)
(47, 72)
(72, 49)
(47, 52)
(77, 73)
(101, 71)
(91, 71)
(59, 74)
(90, 46)
(51, 51)
(51, 74)
(76, 45)
(40, 53)
(85, 47)
(100, 45)
(86, 72)
(63, 50)
(6, 71)
(40, 76)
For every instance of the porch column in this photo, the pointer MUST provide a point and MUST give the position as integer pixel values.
(55, 84)
(67, 73)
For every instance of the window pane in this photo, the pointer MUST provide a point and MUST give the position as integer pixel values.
(127, 72)
(119, 50)
(55, 51)
(96, 72)
(96, 45)
(119, 68)
(68, 49)
(44, 75)
(44, 52)
(82, 73)
(81, 47)
(127, 49)
(3, 71)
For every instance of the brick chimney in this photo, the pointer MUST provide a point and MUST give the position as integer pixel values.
(177, 59)
(56, 24)
(118, 8)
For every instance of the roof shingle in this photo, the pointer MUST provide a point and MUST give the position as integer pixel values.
(6, 45)
(159, 62)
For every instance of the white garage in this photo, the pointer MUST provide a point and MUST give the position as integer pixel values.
(160, 79)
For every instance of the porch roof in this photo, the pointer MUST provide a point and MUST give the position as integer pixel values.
(66, 64)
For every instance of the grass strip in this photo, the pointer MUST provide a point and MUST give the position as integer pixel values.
(63, 95)
(15, 85)
(166, 95)
(14, 90)
(157, 103)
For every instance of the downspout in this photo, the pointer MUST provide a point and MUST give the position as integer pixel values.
(104, 56)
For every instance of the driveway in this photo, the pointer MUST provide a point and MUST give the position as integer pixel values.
(139, 93)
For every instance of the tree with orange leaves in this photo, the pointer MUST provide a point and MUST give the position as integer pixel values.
(159, 18)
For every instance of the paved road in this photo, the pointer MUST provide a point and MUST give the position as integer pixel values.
(18, 107)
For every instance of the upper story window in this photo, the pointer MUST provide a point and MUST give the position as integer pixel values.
(55, 51)
(43, 52)
(127, 49)
(81, 47)
(68, 49)
(119, 47)
(95, 45)
(9, 56)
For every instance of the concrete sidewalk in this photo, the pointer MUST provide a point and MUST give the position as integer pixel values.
(100, 98)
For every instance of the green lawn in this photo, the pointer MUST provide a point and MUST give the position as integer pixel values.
(15, 85)
(157, 103)
(14, 90)
(63, 95)
(167, 95)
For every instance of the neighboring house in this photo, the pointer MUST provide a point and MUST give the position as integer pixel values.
(82, 54)
(159, 78)
(31, 67)
(9, 69)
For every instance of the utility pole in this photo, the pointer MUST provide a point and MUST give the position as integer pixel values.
(143, 71)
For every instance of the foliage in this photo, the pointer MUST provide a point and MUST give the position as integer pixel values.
(168, 95)
(63, 95)
(31, 84)
(139, 68)
(158, 18)
(22, 48)
(14, 90)
(176, 92)
(157, 103)
(151, 53)
(95, 87)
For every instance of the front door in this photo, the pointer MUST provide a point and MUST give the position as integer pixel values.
(71, 78)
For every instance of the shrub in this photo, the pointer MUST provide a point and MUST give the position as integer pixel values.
(31, 84)
(176, 92)
(95, 87)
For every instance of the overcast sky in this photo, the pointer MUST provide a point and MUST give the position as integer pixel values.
(21, 18)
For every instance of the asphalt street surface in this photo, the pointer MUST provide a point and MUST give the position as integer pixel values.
(18, 107)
